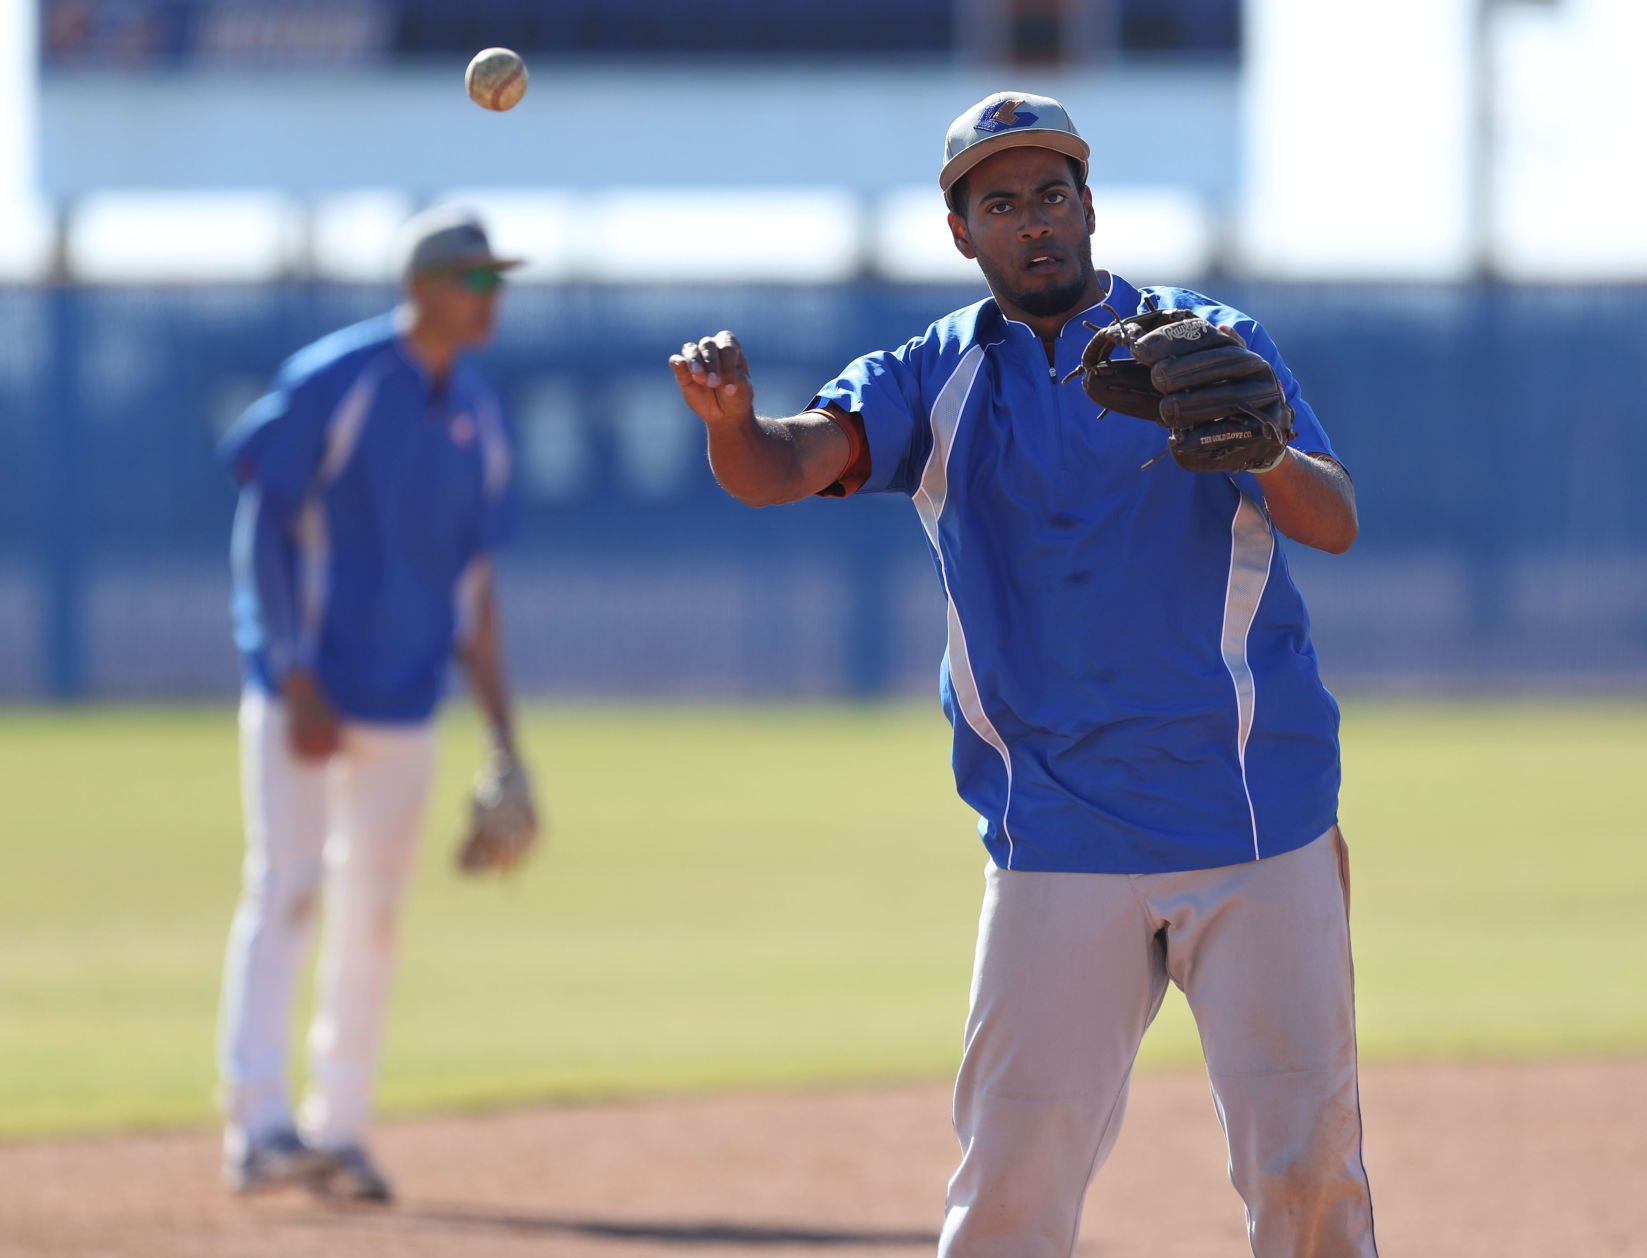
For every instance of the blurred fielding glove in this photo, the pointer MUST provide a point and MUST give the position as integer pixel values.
(503, 824)
(1220, 402)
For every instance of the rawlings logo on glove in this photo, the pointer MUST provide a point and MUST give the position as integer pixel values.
(503, 823)
(1220, 402)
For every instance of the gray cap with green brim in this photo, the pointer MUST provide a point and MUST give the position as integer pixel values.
(448, 239)
(1008, 120)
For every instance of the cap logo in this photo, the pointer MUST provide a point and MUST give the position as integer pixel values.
(1003, 116)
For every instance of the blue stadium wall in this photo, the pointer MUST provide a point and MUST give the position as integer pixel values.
(1497, 437)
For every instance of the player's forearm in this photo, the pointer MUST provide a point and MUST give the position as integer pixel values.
(1312, 501)
(491, 690)
(481, 654)
(759, 461)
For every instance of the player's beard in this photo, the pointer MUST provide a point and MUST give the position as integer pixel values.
(1044, 303)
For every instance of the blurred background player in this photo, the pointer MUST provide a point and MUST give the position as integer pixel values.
(375, 483)
(1138, 717)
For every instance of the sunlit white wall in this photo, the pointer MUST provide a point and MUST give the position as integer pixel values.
(1356, 126)
(817, 175)
(607, 125)
(1346, 147)
(198, 237)
(26, 238)
(1571, 174)
(1361, 126)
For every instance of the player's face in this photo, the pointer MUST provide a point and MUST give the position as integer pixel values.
(1030, 229)
(460, 306)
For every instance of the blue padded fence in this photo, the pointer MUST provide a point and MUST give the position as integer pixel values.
(1496, 436)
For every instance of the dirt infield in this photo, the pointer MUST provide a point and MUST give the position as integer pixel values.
(1491, 1161)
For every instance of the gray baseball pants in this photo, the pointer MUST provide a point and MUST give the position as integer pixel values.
(1072, 968)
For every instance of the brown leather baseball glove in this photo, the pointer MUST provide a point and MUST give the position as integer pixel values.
(503, 822)
(1220, 402)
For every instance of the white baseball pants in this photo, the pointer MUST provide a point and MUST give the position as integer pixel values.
(343, 832)
(1072, 968)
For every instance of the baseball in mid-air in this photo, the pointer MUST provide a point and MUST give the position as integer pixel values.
(496, 78)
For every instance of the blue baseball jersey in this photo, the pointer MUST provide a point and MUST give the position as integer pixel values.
(369, 497)
(1129, 671)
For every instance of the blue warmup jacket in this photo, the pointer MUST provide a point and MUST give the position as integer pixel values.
(1129, 671)
(366, 497)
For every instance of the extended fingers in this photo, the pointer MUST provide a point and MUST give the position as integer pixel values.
(732, 359)
(723, 359)
(712, 362)
(710, 355)
(691, 360)
(692, 366)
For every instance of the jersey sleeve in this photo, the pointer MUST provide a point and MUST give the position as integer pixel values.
(1311, 438)
(883, 390)
(279, 442)
(265, 586)
(501, 519)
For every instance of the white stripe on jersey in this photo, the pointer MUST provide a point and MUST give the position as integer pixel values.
(344, 427)
(929, 503)
(1252, 546)
(313, 542)
(310, 531)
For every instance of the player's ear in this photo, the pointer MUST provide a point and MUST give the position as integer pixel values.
(1086, 204)
(963, 241)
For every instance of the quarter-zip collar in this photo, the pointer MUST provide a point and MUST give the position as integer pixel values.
(1018, 328)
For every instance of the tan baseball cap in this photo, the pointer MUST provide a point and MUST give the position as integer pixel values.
(448, 238)
(1008, 120)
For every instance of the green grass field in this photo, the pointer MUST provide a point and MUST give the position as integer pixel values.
(769, 896)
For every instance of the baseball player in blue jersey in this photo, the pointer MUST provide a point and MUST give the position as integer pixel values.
(1138, 717)
(375, 483)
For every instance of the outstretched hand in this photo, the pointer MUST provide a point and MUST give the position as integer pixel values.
(713, 376)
